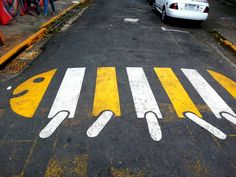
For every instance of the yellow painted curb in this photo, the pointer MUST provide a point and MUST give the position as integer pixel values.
(26, 43)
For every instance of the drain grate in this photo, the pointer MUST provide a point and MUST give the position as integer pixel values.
(30, 55)
(15, 67)
(60, 22)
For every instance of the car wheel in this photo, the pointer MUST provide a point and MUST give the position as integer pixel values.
(163, 15)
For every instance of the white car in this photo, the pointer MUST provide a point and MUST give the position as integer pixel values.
(183, 9)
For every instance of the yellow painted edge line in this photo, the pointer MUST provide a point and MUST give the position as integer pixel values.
(222, 39)
(58, 16)
(230, 44)
(29, 41)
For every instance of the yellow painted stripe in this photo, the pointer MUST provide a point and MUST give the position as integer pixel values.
(225, 82)
(106, 92)
(31, 92)
(175, 91)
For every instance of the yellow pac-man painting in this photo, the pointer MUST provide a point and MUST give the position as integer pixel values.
(29, 94)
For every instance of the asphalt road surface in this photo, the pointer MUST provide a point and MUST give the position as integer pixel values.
(120, 97)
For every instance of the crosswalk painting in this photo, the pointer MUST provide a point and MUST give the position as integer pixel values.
(144, 101)
(106, 101)
(66, 100)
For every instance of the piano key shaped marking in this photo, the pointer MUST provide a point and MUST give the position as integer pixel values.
(106, 99)
(65, 103)
(144, 101)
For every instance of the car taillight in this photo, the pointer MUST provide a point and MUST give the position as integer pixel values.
(174, 6)
(206, 10)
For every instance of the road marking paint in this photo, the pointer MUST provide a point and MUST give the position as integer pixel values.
(106, 92)
(173, 30)
(30, 94)
(213, 130)
(65, 103)
(131, 20)
(68, 94)
(53, 124)
(176, 92)
(144, 100)
(125, 172)
(106, 99)
(153, 126)
(229, 117)
(9, 88)
(225, 82)
(67, 165)
(75, 2)
(99, 124)
(208, 94)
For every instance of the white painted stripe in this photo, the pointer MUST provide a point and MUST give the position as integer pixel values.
(229, 117)
(173, 30)
(53, 124)
(208, 94)
(75, 2)
(132, 20)
(153, 126)
(69, 92)
(213, 130)
(144, 100)
(99, 124)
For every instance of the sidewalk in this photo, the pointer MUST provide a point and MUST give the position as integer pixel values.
(23, 26)
(222, 18)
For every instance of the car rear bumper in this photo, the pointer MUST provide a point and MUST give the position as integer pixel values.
(186, 14)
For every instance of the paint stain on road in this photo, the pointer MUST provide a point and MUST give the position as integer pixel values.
(116, 172)
(68, 166)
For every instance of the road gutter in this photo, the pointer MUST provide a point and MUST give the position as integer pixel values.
(223, 41)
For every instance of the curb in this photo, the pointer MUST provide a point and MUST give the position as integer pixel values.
(36, 36)
(223, 41)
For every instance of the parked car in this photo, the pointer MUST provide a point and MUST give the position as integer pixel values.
(183, 9)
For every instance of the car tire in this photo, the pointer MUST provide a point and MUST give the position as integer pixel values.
(163, 15)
